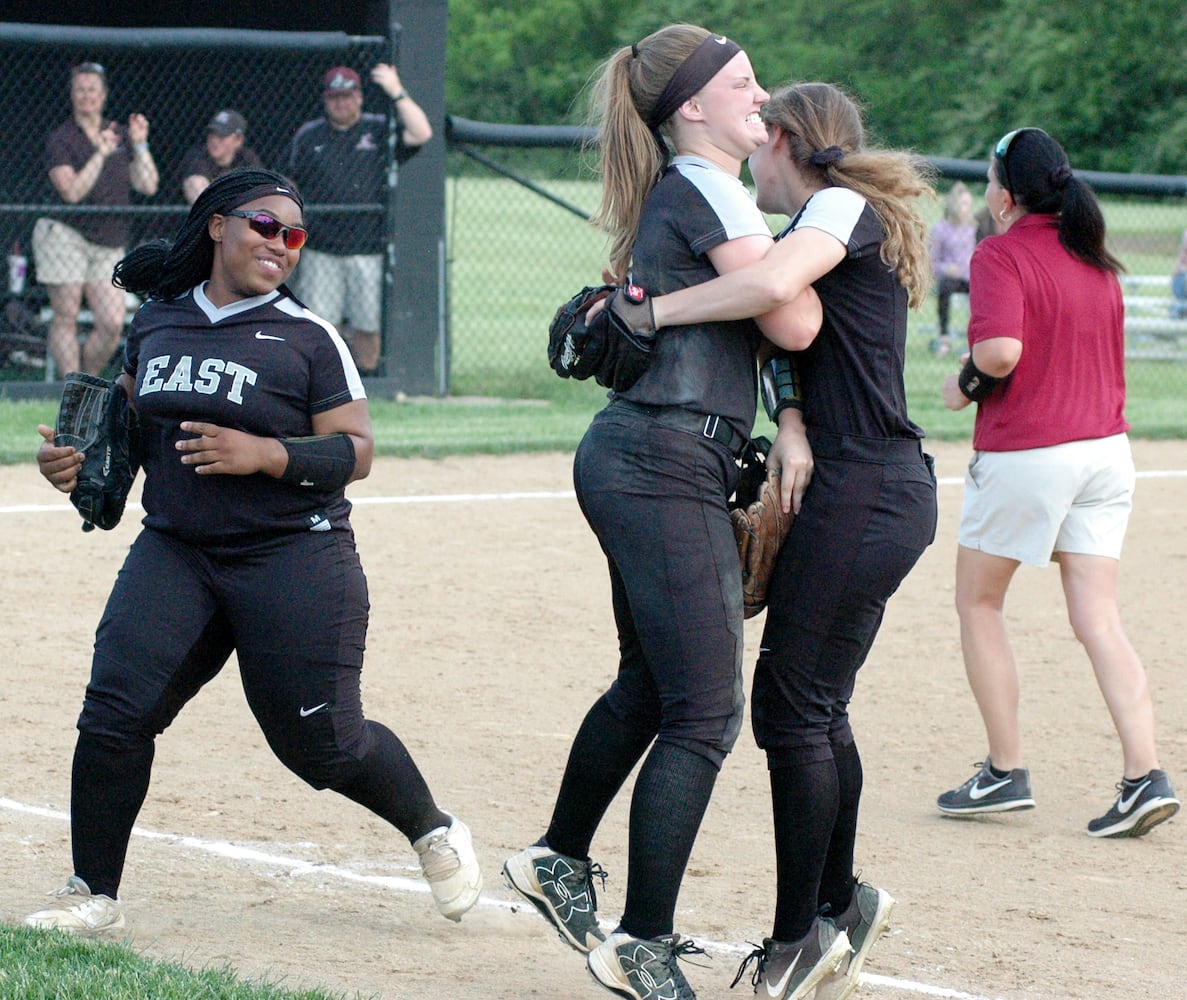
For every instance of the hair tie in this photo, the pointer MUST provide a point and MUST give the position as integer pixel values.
(634, 51)
(1059, 176)
(826, 157)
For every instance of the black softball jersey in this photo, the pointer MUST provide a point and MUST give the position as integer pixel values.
(263, 365)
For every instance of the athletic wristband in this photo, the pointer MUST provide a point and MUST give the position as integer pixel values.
(779, 380)
(140, 147)
(974, 383)
(325, 462)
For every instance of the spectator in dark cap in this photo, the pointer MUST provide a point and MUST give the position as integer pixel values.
(341, 159)
(223, 150)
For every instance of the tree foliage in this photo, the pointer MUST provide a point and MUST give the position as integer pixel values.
(942, 77)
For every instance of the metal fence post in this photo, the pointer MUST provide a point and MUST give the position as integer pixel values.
(416, 334)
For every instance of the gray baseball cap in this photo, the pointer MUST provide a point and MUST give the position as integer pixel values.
(227, 123)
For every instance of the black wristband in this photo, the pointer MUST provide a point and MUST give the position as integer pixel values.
(325, 462)
(974, 383)
(630, 308)
(779, 380)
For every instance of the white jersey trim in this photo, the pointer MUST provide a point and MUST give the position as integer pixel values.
(215, 313)
(833, 210)
(727, 195)
(354, 381)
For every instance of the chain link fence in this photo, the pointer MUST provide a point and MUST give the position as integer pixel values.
(517, 198)
(179, 80)
(519, 245)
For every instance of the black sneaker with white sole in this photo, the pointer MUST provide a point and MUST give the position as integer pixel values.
(985, 792)
(561, 888)
(1140, 806)
(642, 969)
(792, 970)
(866, 919)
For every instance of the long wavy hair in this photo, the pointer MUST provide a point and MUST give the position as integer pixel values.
(819, 116)
(167, 270)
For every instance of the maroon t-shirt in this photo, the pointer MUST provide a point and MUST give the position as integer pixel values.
(1069, 384)
(69, 145)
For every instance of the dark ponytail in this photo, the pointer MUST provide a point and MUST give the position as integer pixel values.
(164, 270)
(1036, 171)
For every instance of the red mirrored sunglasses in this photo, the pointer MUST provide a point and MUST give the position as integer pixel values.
(261, 222)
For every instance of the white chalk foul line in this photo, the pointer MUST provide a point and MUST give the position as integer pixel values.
(296, 867)
(37, 508)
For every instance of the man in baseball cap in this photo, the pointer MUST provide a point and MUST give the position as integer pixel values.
(226, 123)
(223, 150)
(341, 159)
(339, 79)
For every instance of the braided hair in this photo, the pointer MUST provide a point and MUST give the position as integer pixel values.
(167, 270)
(1035, 170)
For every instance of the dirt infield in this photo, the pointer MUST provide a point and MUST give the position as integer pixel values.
(490, 636)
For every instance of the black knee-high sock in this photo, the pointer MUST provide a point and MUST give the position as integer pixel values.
(836, 880)
(107, 789)
(390, 784)
(804, 799)
(604, 751)
(669, 801)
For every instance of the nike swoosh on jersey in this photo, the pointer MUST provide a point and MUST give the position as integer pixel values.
(1124, 805)
(781, 985)
(316, 708)
(261, 335)
(979, 792)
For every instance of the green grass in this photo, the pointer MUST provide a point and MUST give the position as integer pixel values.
(514, 257)
(54, 966)
(463, 425)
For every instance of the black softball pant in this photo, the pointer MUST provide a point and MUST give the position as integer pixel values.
(293, 608)
(656, 497)
(867, 517)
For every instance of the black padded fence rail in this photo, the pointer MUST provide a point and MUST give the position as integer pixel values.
(1103, 182)
(464, 131)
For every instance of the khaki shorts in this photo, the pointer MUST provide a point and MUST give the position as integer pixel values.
(63, 256)
(1031, 505)
(342, 288)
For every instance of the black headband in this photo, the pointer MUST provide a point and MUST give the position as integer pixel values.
(702, 64)
(264, 191)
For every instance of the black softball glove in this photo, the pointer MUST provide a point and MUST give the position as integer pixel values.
(96, 418)
(615, 348)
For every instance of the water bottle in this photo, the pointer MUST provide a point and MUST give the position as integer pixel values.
(18, 267)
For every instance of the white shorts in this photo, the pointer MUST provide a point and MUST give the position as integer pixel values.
(1031, 505)
(63, 256)
(342, 289)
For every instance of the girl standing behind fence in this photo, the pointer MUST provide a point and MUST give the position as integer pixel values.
(952, 241)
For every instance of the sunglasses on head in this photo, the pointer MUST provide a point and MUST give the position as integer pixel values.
(1001, 151)
(261, 222)
(89, 67)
